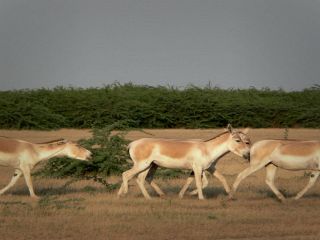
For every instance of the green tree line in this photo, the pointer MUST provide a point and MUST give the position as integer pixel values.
(139, 106)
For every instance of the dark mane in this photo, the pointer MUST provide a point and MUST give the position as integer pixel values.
(216, 136)
(54, 141)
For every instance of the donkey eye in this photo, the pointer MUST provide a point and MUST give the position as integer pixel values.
(238, 140)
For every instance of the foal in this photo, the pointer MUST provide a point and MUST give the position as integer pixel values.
(195, 155)
(23, 156)
(286, 154)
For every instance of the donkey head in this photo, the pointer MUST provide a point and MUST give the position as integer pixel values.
(73, 150)
(239, 142)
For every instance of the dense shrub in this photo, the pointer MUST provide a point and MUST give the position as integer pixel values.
(158, 107)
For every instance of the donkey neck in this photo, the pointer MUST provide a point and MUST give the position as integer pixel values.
(47, 151)
(218, 146)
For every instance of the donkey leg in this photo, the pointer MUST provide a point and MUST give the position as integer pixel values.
(120, 192)
(219, 176)
(186, 185)
(147, 176)
(270, 175)
(245, 173)
(312, 180)
(14, 179)
(27, 177)
(205, 183)
(156, 188)
(222, 179)
(197, 173)
(150, 180)
(140, 181)
(211, 170)
(129, 174)
(126, 176)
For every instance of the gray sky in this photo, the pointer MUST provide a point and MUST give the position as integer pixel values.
(232, 43)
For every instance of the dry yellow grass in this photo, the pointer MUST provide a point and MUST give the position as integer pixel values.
(85, 210)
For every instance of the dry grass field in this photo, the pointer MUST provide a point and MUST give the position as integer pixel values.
(86, 210)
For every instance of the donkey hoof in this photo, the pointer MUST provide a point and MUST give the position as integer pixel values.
(35, 197)
(120, 195)
(231, 198)
(282, 200)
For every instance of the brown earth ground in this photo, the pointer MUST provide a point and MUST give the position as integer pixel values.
(86, 210)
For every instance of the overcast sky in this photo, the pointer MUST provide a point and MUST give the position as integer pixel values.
(230, 43)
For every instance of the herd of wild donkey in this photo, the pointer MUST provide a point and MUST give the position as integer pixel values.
(199, 156)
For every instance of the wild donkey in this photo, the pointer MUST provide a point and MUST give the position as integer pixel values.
(149, 153)
(212, 170)
(286, 154)
(23, 156)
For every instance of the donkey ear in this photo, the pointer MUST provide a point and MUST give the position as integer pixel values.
(246, 130)
(229, 128)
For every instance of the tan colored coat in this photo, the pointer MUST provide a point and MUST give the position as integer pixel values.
(23, 156)
(195, 155)
(287, 154)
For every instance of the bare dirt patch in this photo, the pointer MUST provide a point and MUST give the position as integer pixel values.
(86, 210)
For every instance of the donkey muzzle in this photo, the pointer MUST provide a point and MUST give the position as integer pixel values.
(247, 156)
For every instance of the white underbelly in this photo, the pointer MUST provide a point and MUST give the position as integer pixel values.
(297, 163)
(7, 160)
(173, 163)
